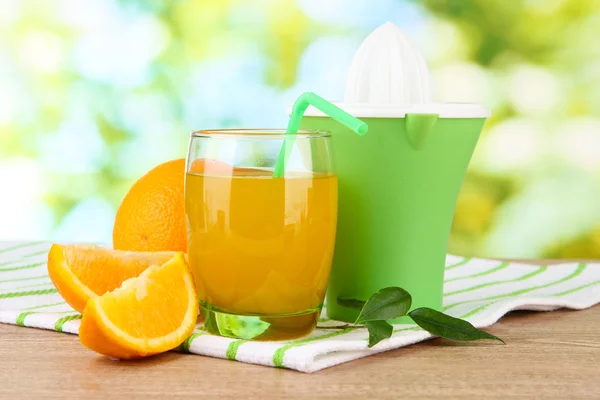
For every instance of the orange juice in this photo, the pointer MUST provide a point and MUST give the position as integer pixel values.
(260, 245)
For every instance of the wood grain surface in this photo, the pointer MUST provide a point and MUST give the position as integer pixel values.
(549, 355)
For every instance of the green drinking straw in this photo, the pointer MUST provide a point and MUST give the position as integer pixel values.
(298, 109)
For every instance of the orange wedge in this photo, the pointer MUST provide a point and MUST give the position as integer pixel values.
(150, 314)
(208, 165)
(81, 272)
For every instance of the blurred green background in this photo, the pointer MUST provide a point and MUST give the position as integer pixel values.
(94, 93)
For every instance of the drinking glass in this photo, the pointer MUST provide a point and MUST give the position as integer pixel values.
(260, 247)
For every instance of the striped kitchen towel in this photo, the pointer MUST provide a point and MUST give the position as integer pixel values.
(478, 290)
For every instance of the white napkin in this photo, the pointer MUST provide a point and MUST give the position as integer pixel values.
(478, 290)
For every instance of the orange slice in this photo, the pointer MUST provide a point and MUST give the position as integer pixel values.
(150, 314)
(211, 166)
(81, 272)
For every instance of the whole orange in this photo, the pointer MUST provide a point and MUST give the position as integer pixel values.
(152, 214)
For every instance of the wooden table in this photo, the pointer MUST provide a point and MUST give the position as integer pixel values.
(549, 355)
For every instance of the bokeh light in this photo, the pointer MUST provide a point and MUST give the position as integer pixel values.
(97, 92)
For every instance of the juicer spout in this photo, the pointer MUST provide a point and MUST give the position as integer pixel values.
(418, 127)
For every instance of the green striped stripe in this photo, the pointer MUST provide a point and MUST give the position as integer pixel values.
(37, 253)
(477, 310)
(280, 352)
(185, 346)
(21, 318)
(23, 267)
(458, 264)
(22, 258)
(577, 289)
(576, 273)
(32, 286)
(27, 293)
(538, 271)
(500, 267)
(19, 246)
(471, 313)
(233, 348)
(45, 305)
(71, 311)
(46, 285)
(61, 321)
(58, 312)
(24, 279)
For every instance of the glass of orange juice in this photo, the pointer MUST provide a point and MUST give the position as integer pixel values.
(260, 247)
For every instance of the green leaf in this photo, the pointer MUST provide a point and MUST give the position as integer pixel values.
(448, 327)
(351, 303)
(378, 330)
(387, 303)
